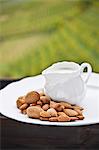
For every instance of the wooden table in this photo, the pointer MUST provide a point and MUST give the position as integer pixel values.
(22, 136)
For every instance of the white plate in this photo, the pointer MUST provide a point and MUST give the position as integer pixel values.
(9, 94)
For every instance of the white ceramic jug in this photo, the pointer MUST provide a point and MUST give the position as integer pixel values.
(64, 81)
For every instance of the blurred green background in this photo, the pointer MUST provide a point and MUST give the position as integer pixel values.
(36, 33)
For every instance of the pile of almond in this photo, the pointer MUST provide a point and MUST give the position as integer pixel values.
(38, 105)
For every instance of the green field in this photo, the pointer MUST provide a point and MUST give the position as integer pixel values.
(36, 33)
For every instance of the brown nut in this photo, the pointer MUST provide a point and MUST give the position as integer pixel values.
(45, 107)
(24, 111)
(53, 104)
(45, 114)
(53, 119)
(61, 113)
(39, 102)
(73, 118)
(59, 107)
(44, 119)
(34, 111)
(32, 97)
(66, 105)
(77, 107)
(78, 111)
(45, 99)
(80, 117)
(20, 101)
(24, 106)
(70, 112)
(33, 104)
(52, 112)
(63, 118)
(56, 106)
(38, 106)
(41, 93)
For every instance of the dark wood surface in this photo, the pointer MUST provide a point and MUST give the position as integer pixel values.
(22, 136)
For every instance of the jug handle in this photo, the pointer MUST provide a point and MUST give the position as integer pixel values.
(89, 70)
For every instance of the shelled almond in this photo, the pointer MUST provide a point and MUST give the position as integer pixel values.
(39, 106)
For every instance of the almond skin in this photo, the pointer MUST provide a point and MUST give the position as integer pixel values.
(38, 106)
(33, 104)
(32, 97)
(34, 111)
(59, 107)
(39, 102)
(70, 112)
(20, 101)
(45, 99)
(44, 119)
(52, 104)
(24, 106)
(61, 113)
(53, 119)
(24, 111)
(56, 106)
(80, 117)
(41, 93)
(45, 114)
(66, 105)
(73, 118)
(45, 107)
(63, 118)
(78, 111)
(77, 107)
(52, 112)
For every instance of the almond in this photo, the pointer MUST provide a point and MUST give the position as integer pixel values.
(78, 111)
(66, 105)
(45, 114)
(63, 118)
(61, 113)
(39, 102)
(32, 97)
(59, 107)
(45, 99)
(44, 119)
(20, 101)
(41, 93)
(33, 104)
(24, 111)
(56, 106)
(52, 112)
(38, 106)
(34, 111)
(45, 107)
(73, 118)
(77, 107)
(24, 106)
(70, 112)
(52, 104)
(80, 117)
(53, 119)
